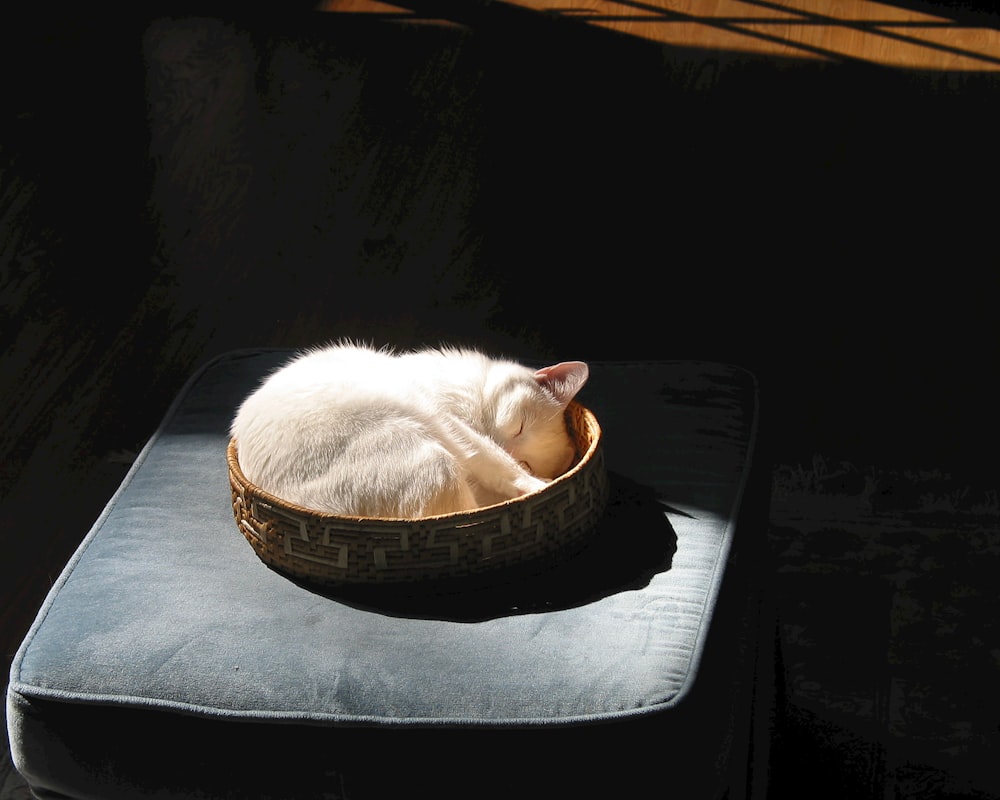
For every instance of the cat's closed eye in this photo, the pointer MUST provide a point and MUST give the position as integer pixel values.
(513, 429)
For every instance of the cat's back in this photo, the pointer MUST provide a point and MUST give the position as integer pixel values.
(307, 392)
(332, 368)
(349, 430)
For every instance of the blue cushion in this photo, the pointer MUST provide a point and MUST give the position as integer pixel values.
(166, 621)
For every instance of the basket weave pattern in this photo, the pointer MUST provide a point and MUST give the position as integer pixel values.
(336, 551)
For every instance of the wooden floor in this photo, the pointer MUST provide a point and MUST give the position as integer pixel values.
(894, 34)
(572, 180)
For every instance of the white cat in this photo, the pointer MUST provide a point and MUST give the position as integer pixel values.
(356, 431)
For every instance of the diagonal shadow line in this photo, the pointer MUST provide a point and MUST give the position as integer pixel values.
(776, 6)
(887, 33)
(877, 28)
(679, 16)
(881, 30)
(764, 37)
(844, 23)
(805, 18)
(472, 12)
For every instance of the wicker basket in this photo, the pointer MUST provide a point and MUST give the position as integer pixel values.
(338, 551)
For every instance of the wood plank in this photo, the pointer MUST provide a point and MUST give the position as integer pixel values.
(841, 30)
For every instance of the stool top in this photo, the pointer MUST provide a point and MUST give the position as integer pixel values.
(165, 606)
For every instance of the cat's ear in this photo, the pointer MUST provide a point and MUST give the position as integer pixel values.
(563, 380)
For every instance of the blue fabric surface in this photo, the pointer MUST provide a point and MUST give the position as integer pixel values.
(165, 605)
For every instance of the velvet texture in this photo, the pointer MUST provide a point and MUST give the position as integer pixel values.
(165, 610)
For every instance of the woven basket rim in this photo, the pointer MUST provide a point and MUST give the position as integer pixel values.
(588, 417)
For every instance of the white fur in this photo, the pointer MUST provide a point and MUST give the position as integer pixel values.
(362, 432)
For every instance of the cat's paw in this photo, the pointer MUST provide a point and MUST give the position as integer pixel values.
(529, 483)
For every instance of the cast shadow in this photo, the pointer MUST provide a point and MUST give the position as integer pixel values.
(633, 542)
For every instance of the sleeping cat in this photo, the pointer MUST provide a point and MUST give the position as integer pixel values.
(356, 431)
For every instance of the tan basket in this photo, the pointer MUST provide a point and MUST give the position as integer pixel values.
(332, 550)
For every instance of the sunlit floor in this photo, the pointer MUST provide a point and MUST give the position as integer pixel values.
(844, 30)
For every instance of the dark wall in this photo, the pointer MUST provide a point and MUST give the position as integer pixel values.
(185, 185)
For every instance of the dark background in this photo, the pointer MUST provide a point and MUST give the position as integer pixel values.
(174, 185)
(537, 184)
